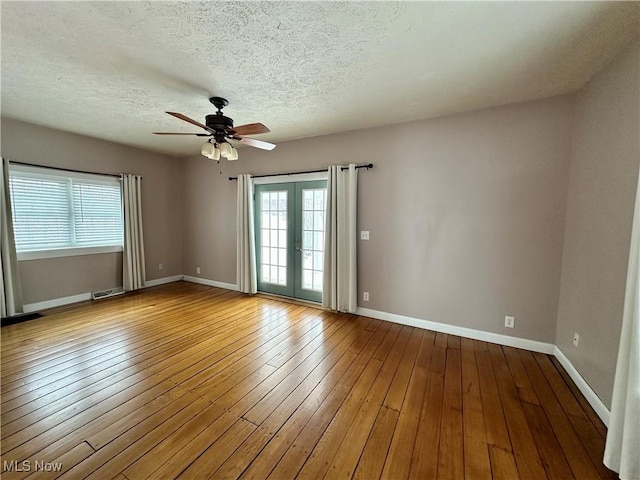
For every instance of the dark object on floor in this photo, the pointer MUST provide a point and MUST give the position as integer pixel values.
(21, 317)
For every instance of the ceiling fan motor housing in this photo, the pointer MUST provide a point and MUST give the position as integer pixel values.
(218, 122)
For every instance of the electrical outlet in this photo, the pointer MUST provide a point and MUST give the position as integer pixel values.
(576, 339)
(365, 296)
(197, 269)
(509, 322)
(364, 235)
(160, 266)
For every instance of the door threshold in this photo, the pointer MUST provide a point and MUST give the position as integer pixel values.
(297, 301)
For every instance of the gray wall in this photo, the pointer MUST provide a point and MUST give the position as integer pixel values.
(466, 213)
(60, 277)
(602, 187)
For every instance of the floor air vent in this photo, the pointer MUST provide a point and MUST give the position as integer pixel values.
(112, 292)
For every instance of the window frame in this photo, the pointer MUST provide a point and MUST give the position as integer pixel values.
(68, 177)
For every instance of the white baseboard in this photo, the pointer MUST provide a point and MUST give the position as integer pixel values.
(162, 281)
(59, 302)
(56, 302)
(516, 342)
(583, 386)
(81, 297)
(211, 283)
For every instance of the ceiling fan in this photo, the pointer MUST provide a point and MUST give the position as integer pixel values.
(220, 129)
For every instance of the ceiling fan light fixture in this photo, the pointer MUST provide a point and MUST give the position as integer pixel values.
(225, 149)
(216, 154)
(207, 150)
(233, 155)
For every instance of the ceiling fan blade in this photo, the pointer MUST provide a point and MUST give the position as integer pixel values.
(252, 142)
(191, 121)
(250, 129)
(171, 133)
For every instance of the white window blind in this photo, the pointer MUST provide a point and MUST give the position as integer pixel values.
(40, 213)
(97, 214)
(63, 210)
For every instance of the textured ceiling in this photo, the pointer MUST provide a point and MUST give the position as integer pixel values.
(111, 69)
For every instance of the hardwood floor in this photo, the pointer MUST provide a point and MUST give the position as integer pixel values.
(186, 381)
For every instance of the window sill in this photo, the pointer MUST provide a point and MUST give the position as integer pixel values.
(67, 252)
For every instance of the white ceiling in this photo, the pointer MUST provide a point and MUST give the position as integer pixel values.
(111, 69)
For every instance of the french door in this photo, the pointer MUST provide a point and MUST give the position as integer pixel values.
(289, 230)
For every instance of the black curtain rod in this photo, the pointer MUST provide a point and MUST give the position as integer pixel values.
(366, 165)
(65, 169)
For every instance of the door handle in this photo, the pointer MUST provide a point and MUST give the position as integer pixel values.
(298, 249)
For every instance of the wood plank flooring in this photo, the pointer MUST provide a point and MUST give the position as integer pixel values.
(187, 381)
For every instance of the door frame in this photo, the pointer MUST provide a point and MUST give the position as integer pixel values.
(287, 290)
(299, 292)
(293, 185)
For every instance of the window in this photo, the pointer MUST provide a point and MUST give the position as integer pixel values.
(56, 213)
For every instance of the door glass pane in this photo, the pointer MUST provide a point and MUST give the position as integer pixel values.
(313, 201)
(282, 221)
(307, 260)
(318, 199)
(307, 279)
(273, 237)
(307, 240)
(307, 220)
(307, 199)
(318, 221)
(317, 280)
(318, 241)
(282, 201)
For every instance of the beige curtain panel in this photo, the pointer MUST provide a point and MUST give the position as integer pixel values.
(133, 270)
(623, 438)
(340, 289)
(246, 256)
(11, 291)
